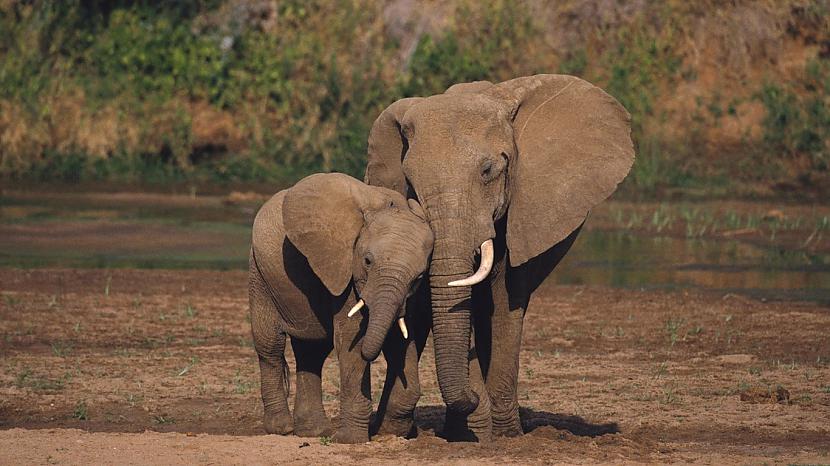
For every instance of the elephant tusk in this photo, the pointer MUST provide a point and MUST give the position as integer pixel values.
(355, 308)
(483, 269)
(404, 330)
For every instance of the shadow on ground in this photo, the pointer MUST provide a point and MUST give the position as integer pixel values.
(431, 418)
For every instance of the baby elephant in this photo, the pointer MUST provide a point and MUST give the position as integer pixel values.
(321, 250)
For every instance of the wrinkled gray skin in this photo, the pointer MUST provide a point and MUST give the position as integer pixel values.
(316, 248)
(520, 163)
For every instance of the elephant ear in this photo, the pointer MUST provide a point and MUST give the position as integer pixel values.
(574, 148)
(387, 147)
(322, 216)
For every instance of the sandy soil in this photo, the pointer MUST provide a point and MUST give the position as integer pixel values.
(142, 366)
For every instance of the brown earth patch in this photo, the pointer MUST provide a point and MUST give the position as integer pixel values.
(142, 366)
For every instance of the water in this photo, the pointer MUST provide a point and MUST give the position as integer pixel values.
(153, 233)
(625, 260)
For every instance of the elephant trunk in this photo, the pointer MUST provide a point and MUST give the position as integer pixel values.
(451, 310)
(384, 308)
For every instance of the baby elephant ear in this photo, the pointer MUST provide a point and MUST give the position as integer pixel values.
(574, 147)
(323, 215)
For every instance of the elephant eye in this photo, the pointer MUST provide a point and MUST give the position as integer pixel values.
(490, 170)
(367, 259)
(486, 169)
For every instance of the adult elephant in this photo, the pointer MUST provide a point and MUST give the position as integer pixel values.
(508, 171)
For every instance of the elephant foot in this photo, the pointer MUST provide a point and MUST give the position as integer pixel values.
(279, 423)
(399, 427)
(507, 428)
(467, 428)
(506, 423)
(351, 435)
(316, 426)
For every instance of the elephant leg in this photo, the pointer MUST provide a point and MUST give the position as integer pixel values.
(355, 382)
(309, 416)
(269, 342)
(503, 366)
(478, 425)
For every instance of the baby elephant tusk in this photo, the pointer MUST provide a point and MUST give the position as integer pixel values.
(404, 331)
(355, 308)
(483, 268)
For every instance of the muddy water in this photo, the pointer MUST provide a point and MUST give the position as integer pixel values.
(147, 232)
(626, 260)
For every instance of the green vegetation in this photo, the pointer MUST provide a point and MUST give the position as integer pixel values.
(61, 349)
(797, 122)
(80, 411)
(28, 379)
(205, 92)
(163, 419)
(241, 384)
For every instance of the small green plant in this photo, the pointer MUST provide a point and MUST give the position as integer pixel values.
(23, 376)
(673, 329)
(241, 384)
(163, 419)
(53, 302)
(193, 361)
(743, 386)
(670, 396)
(696, 330)
(28, 379)
(61, 348)
(123, 352)
(662, 370)
(11, 300)
(132, 399)
(80, 411)
(325, 441)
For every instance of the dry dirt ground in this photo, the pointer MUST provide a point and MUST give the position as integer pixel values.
(152, 366)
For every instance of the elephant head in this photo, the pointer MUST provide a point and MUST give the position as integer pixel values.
(542, 150)
(351, 231)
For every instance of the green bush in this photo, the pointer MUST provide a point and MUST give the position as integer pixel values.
(156, 92)
(797, 121)
(496, 42)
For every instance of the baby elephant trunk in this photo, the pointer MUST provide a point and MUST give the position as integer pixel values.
(384, 310)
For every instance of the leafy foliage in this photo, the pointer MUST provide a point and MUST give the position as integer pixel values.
(198, 91)
(797, 121)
